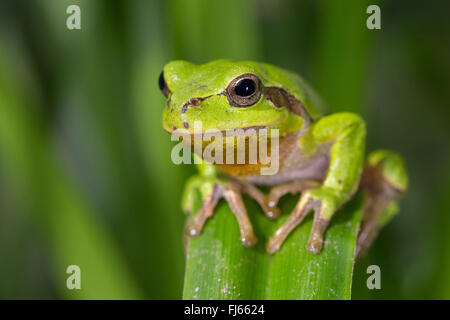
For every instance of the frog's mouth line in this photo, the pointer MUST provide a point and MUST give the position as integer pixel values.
(225, 133)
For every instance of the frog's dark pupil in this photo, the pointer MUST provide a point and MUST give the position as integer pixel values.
(161, 81)
(245, 87)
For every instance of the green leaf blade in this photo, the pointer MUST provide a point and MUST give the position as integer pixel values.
(219, 267)
(298, 274)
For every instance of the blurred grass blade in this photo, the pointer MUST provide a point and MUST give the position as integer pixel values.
(110, 112)
(196, 38)
(342, 54)
(219, 267)
(64, 219)
(166, 178)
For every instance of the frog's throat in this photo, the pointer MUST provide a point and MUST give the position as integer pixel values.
(286, 144)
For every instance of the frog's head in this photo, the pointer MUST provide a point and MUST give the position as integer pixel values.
(226, 94)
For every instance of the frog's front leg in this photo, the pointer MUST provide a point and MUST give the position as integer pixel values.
(212, 187)
(346, 133)
(293, 188)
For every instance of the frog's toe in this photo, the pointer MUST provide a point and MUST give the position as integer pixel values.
(271, 203)
(273, 213)
(273, 245)
(249, 240)
(271, 200)
(193, 230)
(315, 244)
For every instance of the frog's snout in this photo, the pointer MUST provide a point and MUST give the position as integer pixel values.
(175, 113)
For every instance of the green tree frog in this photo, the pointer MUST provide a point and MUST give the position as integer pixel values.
(320, 156)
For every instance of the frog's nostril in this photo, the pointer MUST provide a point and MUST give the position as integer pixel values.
(195, 101)
(191, 102)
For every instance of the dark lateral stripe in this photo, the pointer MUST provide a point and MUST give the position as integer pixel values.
(280, 98)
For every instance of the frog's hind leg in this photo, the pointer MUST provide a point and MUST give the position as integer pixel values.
(383, 180)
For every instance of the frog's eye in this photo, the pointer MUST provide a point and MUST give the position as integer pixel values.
(244, 90)
(163, 85)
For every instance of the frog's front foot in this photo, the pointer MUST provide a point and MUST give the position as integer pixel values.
(209, 199)
(324, 203)
(277, 192)
(212, 189)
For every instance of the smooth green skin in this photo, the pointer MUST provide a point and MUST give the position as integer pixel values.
(392, 165)
(186, 80)
(345, 131)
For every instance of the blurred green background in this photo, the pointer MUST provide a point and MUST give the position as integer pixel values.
(85, 170)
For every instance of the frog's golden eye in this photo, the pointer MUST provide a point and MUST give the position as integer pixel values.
(163, 85)
(244, 90)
